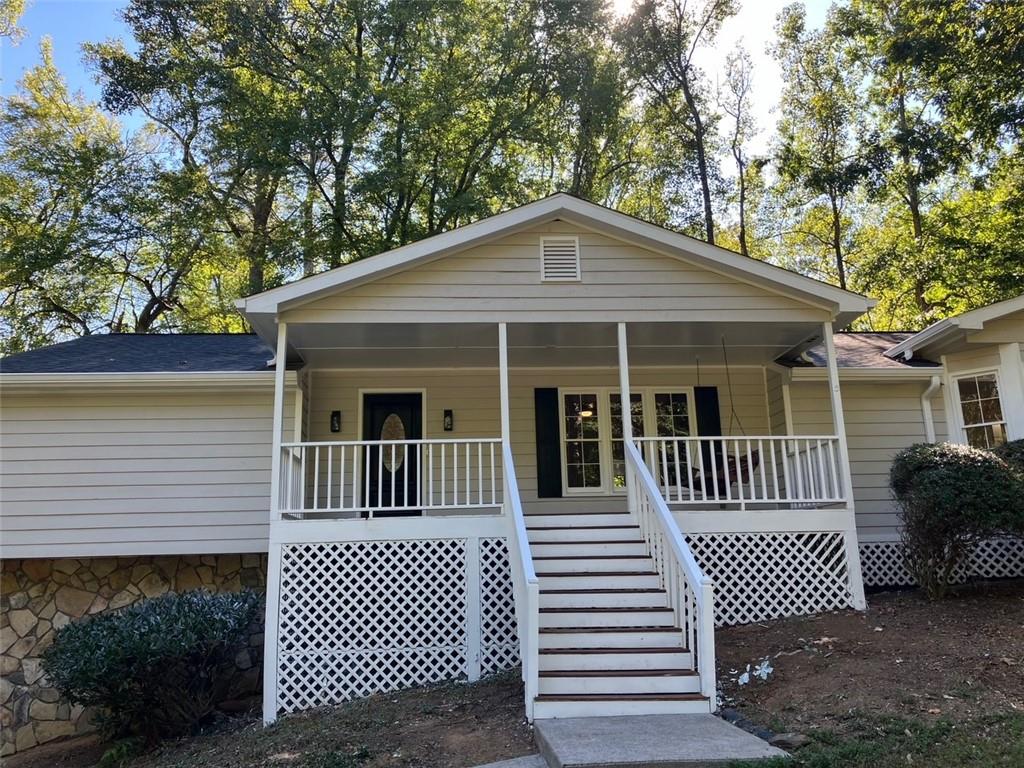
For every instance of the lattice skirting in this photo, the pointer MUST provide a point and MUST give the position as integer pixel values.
(761, 576)
(882, 562)
(362, 617)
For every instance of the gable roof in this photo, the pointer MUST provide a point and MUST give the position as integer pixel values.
(845, 305)
(953, 329)
(146, 353)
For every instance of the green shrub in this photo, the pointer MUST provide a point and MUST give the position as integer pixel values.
(156, 668)
(1012, 453)
(950, 497)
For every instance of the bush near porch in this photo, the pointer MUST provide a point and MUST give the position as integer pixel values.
(950, 498)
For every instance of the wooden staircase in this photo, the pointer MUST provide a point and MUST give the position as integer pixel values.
(609, 642)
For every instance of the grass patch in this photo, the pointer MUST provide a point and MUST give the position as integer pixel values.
(876, 742)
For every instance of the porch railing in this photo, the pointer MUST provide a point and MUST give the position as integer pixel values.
(791, 471)
(690, 592)
(368, 477)
(524, 583)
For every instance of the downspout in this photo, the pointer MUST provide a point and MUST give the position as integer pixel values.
(926, 407)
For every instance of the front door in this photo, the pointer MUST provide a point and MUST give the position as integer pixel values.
(391, 480)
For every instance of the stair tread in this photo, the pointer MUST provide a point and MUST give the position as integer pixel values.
(597, 573)
(610, 650)
(638, 590)
(619, 673)
(609, 609)
(581, 527)
(620, 697)
(593, 557)
(594, 541)
(596, 630)
(568, 512)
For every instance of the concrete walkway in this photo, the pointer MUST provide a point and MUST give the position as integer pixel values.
(653, 741)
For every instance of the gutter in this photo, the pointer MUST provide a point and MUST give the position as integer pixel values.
(926, 407)
(867, 374)
(35, 381)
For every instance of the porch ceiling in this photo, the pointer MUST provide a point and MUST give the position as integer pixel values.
(538, 345)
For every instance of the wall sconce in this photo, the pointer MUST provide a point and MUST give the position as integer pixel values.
(335, 421)
(449, 420)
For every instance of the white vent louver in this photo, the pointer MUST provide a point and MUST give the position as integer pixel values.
(559, 259)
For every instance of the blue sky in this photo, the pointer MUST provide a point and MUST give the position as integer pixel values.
(69, 23)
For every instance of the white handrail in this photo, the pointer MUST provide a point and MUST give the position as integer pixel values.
(771, 470)
(690, 592)
(350, 478)
(525, 584)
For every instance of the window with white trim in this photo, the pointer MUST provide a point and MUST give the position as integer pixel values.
(593, 455)
(981, 412)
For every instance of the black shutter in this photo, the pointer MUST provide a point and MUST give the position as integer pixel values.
(549, 457)
(709, 424)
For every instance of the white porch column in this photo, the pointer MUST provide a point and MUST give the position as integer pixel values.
(839, 426)
(626, 407)
(1011, 376)
(273, 596)
(506, 431)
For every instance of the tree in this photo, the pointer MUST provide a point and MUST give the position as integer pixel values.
(659, 40)
(820, 156)
(736, 103)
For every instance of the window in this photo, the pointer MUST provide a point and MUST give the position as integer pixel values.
(636, 403)
(582, 444)
(593, 454)
(981, 411)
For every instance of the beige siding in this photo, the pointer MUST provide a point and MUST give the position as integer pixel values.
(973, 360)
(473, 396)
(881, 418)
(501, 280)
(776, 403)
(161, 472)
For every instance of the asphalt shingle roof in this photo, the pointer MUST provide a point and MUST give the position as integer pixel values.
(862, 350)
(145, 353)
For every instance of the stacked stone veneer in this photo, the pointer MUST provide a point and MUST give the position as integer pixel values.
(39, 596)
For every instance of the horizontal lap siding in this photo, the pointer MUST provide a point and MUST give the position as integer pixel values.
(136, 473)
(502, 279)
(881, 418)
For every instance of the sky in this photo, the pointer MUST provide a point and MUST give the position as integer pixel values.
(69, 23)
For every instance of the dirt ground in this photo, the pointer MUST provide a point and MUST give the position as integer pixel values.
(448, 726)
(958, 659)
(906, 683)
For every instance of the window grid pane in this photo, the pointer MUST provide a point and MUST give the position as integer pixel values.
(636, 407)
(981, 410)
(582, 441)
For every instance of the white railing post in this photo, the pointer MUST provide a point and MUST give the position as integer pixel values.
(280, 364)
(626, 409)
(503, 380)
(839, 424)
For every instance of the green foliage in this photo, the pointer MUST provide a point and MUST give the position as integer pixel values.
(950, 497)
(1012, 453)
(284, 138)
(156, 668)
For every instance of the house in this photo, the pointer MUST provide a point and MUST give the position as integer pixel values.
(427, 450)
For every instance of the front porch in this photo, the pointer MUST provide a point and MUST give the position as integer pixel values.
(393, 528)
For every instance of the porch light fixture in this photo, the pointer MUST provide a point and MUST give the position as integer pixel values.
(586, 414)
(449, 420)
(335, 421)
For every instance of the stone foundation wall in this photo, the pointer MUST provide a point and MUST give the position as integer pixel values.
(39, 596)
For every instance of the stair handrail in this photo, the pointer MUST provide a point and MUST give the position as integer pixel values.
(525, 585)
(690, 591)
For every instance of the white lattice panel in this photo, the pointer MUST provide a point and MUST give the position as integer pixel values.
(882, 562)
(760, 576)
(362, 617)
(499, 643)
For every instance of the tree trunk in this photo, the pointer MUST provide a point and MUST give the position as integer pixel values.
(702, 162)
(913, 192)
(837, 240)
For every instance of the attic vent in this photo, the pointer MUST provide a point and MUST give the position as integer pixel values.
(560, 259)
